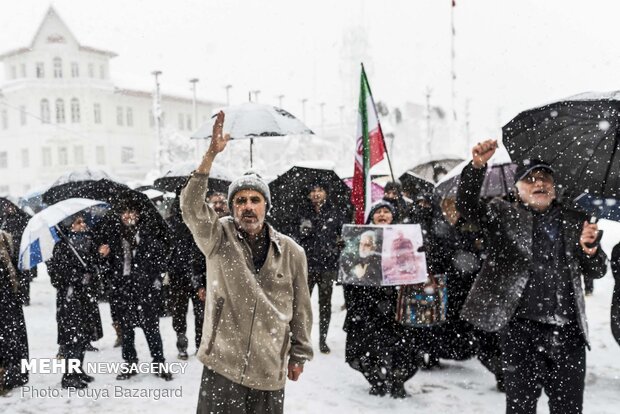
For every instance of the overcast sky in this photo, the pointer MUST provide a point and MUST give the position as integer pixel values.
(510, 55)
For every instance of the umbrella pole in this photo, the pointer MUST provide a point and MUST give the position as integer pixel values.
(251, 146)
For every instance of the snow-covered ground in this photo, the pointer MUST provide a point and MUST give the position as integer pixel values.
(328, 385)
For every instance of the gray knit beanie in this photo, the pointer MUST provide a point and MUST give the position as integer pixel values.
(249, 181)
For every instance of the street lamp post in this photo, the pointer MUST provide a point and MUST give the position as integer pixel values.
(280, 98)
(228, 87)
(159, 157)
(303, 108)
(193, 82)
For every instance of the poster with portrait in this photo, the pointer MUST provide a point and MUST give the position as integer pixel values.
(382, 255)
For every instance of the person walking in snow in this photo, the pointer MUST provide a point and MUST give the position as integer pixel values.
(258, 316)
(530, 285)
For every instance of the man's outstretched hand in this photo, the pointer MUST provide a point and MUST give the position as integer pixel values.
(482, 152)
(218, 139)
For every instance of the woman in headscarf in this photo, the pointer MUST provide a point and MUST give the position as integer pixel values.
(376, 345)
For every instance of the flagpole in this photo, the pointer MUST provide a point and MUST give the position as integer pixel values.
(378, 123)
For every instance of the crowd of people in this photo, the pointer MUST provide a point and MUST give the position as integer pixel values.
(514, 270)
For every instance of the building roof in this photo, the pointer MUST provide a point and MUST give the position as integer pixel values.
(51, 14)
(165, 97)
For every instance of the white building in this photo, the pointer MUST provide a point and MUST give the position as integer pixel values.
(59, 111)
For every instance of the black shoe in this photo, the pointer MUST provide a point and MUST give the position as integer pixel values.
(91, 348)
(379, 390)
(86, 378)
(164, 375)
(130, 369)
(398, 391)
(324, 348)
(72, 381)
(182, 355)
(118, 342)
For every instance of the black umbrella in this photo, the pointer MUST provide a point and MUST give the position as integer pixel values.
(499, 181)
(578, 137)
(434, 170)
(289, 192)
(413, 184)
(175, 179)
(113, 193)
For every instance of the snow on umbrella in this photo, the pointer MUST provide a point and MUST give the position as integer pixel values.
(498, 181)
(176, 177)
(433, 170)
(251, 120)
(601, 208)
(42, 233)
(578, 136)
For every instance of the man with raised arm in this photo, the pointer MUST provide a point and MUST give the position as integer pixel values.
(530, 285)
(258, 317)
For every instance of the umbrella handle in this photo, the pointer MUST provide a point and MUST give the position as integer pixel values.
(599, 236)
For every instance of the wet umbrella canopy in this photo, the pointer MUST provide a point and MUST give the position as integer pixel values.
(413, 184)
(499, 181)
(175, 178)
(578, 137)
(290, 191)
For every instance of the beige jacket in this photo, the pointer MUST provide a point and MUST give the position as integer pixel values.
(255, 323)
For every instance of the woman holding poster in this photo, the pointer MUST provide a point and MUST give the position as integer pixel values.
(376, 344)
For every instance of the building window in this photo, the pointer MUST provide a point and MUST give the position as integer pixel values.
(5, 119)
(181, 122)
(22, 68)
(57, 68)
(102, 72)
(119, 115)
(40, 70)
(188, 119)
(46, 156)
(4, 159)
(127, 154)
(100, 155)
(25, 158)
(91, 70)
(60, 111)
(97, 110)
(75, 70)
(13, 72)
(129, 117)
(78, 154)
(45, 111)
(22, 115)
(63, 156)
(75, 110)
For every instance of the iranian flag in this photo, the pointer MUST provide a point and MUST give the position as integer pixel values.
(370, 150)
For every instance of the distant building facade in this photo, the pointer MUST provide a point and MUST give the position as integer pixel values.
(59, 111)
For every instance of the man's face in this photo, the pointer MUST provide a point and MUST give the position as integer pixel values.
(130, 217)
(367, 246)
(249, 208)
(219, 203)
(78, 225)
(449, 211)
(318, 195)
(537, 190)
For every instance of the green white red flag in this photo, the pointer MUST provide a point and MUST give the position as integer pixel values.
(370, 150)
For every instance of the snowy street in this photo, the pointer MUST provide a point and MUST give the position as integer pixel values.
(328, 385)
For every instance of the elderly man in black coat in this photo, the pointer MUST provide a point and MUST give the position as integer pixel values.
(136, 258)
(530, 285)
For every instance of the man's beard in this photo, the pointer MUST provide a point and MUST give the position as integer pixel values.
(249, 227)
(365, 254)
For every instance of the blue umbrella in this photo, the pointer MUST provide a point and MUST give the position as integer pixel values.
(601, 208)
(42, 232)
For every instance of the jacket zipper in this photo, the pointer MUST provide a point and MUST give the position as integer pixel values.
(247, 354)
(219, 306)
(283, 351)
